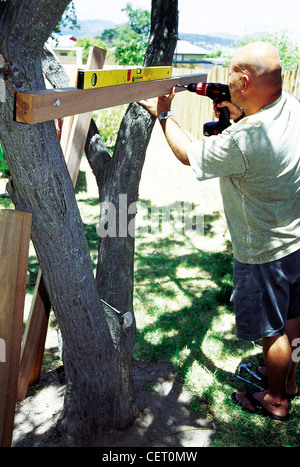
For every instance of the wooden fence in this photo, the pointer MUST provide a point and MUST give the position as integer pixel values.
(192, 110)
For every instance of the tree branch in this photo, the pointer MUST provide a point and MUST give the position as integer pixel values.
(32, 21)
(163, 33)
(53, 70)
(116, 255)
(96, 151)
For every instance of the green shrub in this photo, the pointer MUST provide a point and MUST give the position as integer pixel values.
(3, 164)
(108, 123)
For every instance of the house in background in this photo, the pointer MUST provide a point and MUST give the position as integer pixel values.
(187, 53)
(66, 50)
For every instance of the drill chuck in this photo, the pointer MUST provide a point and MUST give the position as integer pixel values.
(201, 89)
(216, 91)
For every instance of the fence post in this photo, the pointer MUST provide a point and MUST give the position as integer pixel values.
(15, 227)
(296, 89)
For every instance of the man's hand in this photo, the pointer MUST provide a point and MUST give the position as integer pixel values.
(234, 110)
(158, 105)
(178, 140)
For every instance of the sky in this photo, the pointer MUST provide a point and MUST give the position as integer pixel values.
(209, 17)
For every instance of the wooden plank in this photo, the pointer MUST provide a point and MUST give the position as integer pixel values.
(34, 339)
(81, 123)
(68, 121)
(37, 323)
(40, 106)
(15, 228)
(96, 58)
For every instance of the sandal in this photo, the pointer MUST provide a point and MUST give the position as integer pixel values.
(258, 408)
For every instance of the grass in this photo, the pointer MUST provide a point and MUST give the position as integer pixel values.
(183, 312)
(184, 315)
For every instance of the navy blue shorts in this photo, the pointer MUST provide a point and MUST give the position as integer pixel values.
(265, 296)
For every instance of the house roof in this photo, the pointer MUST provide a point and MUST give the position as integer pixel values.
(187, 48)
(62, 42)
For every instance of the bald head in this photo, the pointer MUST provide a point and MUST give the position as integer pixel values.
(262, 61)
(259, 65)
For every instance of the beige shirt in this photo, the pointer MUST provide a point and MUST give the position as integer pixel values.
(258, 162)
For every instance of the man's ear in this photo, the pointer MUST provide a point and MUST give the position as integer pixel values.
(245, 82)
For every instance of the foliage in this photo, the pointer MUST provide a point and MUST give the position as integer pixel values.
(3, 164)
(108, 36)
(108, 122)
(129, 50)
(214, 54)
(139, 21)
(69, 18)
(86, 42)
(130, 40)
(289, 52)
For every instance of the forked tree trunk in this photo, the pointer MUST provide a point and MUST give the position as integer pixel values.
(97, 358)
(118, 177)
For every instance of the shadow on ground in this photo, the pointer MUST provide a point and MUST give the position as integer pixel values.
(165, 417)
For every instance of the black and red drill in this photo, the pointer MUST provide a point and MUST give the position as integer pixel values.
(218, 93)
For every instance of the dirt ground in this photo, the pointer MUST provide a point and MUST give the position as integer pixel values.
(165, 418)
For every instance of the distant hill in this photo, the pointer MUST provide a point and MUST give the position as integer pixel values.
(208, 41)
(91, 27)
(95, 27)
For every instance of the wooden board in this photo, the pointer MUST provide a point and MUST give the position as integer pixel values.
(40, 106)
(15, 228)
(81, 123)
(33, 345)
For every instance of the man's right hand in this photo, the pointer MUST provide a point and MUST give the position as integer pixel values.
(234, 110)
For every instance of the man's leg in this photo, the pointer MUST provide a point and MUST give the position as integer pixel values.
(293, 333)
(277, 355)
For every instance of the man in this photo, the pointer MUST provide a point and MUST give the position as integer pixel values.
(257, 160)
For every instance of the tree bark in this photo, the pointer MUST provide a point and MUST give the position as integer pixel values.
(97, 349)
(118, 177)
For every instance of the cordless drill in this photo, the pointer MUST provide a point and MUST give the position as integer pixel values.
(218, 93)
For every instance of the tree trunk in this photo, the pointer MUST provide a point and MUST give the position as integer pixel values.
(118, 177)
(97, 349)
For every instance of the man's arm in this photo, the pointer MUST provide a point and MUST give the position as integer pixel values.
(177, 139)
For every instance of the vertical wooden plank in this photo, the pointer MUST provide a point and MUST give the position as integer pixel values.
(15, 227)
(81, 122)
(34, 339)
(68, 121)
(296, 89)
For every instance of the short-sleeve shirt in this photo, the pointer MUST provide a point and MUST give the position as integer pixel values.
(258, 162)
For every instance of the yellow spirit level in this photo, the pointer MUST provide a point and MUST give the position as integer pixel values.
(101, 78)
